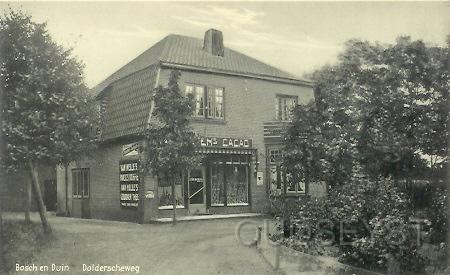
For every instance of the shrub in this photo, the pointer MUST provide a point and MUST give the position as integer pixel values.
(438, 214)
(368, 220)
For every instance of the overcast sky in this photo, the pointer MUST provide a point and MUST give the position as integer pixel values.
(296, 37)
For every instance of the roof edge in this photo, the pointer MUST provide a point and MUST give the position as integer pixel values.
(248, 75)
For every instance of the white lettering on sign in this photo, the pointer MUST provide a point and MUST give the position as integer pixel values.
(129, 177)
(225, 142)
(128, 167)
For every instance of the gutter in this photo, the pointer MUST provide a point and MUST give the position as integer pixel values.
(247, 75)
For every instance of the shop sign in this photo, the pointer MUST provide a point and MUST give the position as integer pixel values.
(129, 183)
(131, 149)
(225, 142)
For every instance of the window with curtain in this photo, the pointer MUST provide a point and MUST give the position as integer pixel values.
(284, 105)
(209, 101)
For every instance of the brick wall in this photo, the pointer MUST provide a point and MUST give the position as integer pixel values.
(248, 104)
(104, 197)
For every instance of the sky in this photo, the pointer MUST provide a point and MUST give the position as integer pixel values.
(297, 37)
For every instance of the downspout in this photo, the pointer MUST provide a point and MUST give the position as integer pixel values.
(141, 208)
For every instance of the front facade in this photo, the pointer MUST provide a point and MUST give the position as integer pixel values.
(241, 106)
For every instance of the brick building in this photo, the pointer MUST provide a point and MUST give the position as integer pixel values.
(241, 106)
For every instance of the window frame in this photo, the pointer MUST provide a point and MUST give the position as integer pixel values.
(206, 101)
(78, 186)
(281, 179)
(281, 113)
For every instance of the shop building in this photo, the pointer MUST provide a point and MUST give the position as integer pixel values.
(242, 105)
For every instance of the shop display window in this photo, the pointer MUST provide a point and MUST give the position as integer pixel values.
(165, 194)
(229, 180)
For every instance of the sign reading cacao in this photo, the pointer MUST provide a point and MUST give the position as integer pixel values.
(225, 142)
(129, 183)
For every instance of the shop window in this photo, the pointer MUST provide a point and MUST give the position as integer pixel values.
(229, 180)
(209, 101)
(237, 189)
(284, 105)
(165, 194)
(80, 183)
(217, 186)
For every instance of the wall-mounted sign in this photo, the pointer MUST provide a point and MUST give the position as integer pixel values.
(129, 183)
(131, 149)
(225, 142)
(259, 178)
(149, 194)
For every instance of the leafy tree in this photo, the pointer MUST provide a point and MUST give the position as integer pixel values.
(46, 114)
(170, 145)
(381, 106)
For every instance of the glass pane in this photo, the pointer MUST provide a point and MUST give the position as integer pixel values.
(277, 108)
(217, 185)
(301, 188)
(189, 89)
(290, 184)
(210, 102)
(274, 184)
(199, 98)
(165, 195)
(196, 189)
(75, 183)
(236, 176)
(219, 103)
(86, 183)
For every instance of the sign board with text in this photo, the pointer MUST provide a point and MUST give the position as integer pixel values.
(129, 183)
(225, 142)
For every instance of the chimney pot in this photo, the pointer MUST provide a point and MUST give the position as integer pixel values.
(213, 42)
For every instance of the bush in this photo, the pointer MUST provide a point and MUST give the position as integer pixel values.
(368, 220)
(438, 214)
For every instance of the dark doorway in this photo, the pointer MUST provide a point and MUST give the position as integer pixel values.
(50, 194)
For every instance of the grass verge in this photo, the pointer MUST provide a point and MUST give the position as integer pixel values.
(21, 241)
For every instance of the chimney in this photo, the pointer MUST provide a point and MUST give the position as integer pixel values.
(213, 42)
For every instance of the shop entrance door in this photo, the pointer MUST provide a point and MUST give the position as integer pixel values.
(196, 191)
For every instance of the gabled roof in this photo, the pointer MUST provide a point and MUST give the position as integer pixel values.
(188, 51)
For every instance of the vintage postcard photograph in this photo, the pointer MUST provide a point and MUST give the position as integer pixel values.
(242, 137)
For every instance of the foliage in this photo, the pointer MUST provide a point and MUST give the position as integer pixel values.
(367, 220)
(381, 106)
(46, 115)
(172, 145)
(438, 214)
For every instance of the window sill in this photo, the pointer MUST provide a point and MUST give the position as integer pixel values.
(80, 197)
(238, 204)
(168, 207)
(295, 194)
(207, 120)
(217, 204)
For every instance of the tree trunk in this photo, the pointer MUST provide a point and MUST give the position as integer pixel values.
(37, 193)
(174, 201)
(27, 205)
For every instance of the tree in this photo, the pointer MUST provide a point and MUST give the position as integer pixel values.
(170, 145)
(384, 107)
(46, 110)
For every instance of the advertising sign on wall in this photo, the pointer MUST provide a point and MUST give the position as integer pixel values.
(225, 142)
(129, 183)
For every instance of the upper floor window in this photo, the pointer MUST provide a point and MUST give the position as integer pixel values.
(209, 101)
(284, 105)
